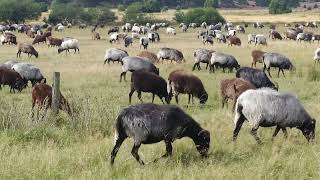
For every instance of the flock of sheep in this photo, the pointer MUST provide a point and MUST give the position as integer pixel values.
(256, 97)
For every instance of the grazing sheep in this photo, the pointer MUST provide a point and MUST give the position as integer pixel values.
(134, 63)
(184, 28)
(113, 29)
(207, 39)
(240, 29)
(220, 37)
(181, 82)
(29, 72)
(257, 77)
(127, 41)
(266, 108)
(251, 38)
(233, 88)
(82, 26)
(143, 81)
(149, 56)
(95, 36)
(151, 123)
(232, 32)
(317, 56)
(224, 61)
(204, 25)
(316, 37)
(136, 29)
(278, 61)
(30, 33)
(28, 49)
(114, 54)
(60, 28)
(13, 79)
(54, 41)
(135, 35)
(260, 39)
(170, 54)
(8, 38)
(69, 44)
(275, 35)
(153, 37)
(201, 55)
(257, 56)
(171, 30)
(144, 42)
(233, 40)
(300, 37)
(42, 97)
(41, 38)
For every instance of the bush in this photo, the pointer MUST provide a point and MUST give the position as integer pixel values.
(211, 3)
(121, 7)
(165, 8)
(199, 15)
(279, 7)
(17, 11)
(150, 6)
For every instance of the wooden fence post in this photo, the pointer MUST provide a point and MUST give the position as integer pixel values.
(56, 92)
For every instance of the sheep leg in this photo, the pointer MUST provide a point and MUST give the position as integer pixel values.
(192, 99)
(276, 132)
(153, 97)
(139, 96)
(116, 148)
(168, 149)
(199, 68)
(207, 66)
(135, 154)
(130, 94)
(269, 71)
(177, 99)
(189, 95)
(194, 66)
(279, 72)
(224, 100)
(236, 130)
(284, 132)
(124, 75)
(283, 73)
(253, 132)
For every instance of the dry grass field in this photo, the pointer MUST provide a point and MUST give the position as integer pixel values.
(60, 147)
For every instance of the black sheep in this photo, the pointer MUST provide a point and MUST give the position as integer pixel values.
(143, 81)
(150, 123)
(13, 79)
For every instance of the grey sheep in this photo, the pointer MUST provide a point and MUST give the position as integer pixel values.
(201, 56)
(127, 41)
(266, 107)
(115, 54)
(278, 61)
(150, 123)
(29, 72)
(170, 54)
(133, 63)
(28, 49)
(224, 61)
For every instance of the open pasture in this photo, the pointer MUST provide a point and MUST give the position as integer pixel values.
(79, 148)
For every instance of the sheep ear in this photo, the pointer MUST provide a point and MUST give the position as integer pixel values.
(204, 133)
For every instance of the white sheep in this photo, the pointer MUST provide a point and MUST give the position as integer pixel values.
(171, 30)
(136, 29)
(60, 28)
(317, 55)
(114, 38)
(266, 107)
(135, 35)
(144, 41)
(69, 44)
(260, 39)
(251, 38)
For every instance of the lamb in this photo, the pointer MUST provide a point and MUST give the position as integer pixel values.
(144, 42)
(251, 38)
(95, 36)
(201, 55)
(69, 44)
(54, 41)
(149, 56)
(143, 81)
(257, 77)
(260, 39)
(266, 107)
(233, 40)
(151, 123)
(181, 82)
(114, 38)
(233, 88)
(41, 38)
(133, 63)
(114, 54)
(28, 49)
(171, 30)
(257, 56)
(224, 61)
(276, 60)
(29, 72)
(127, 41)
(317, 56)
(42, 97)
(13, 79)
(170, 54)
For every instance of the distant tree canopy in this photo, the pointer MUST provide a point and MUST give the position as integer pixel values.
(279, 7)
(211, 3)
(199, 15)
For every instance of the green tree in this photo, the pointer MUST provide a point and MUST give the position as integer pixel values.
(199, 15)
(211, 3)
(17, 11)
(279, 7)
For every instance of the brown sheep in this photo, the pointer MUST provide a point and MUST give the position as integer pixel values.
(290, 36)
(185, 83)
(233, 40)
(275, 35)
(42, 96)
(28, 49)
(143, 81)
(41, 38)
(13, 79)
(316, 37)
(54, 41)
(96, 36)
(233, 88)
(149, 55)
(257, 56)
